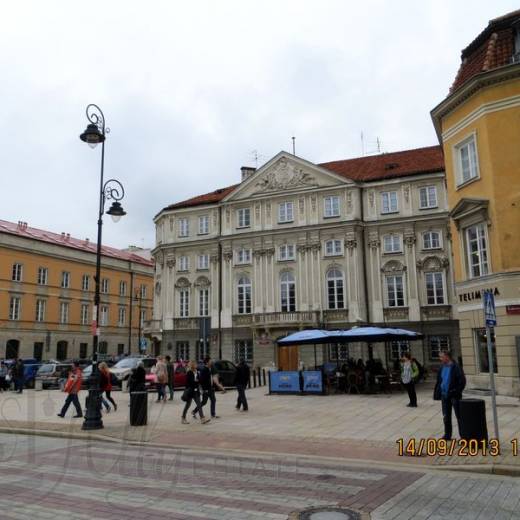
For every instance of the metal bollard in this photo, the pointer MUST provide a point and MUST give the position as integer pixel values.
(254, 378)
(263, 372)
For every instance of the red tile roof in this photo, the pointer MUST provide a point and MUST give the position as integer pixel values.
(389, 165)
(65, 240)
(207, 198)
(365, 169)
(491, 49)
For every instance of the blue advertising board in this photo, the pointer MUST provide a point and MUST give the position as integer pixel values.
(284, 382)
(312, 382)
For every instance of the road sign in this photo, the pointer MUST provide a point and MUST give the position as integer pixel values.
(490, 314)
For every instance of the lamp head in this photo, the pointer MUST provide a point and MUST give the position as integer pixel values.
(92, 135)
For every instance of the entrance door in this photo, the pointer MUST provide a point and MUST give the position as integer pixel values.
(156, 348)
(288, 358)
(12, 349)
(38, 351)
(61, 350)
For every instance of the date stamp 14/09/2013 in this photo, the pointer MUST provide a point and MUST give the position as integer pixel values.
(453, 448)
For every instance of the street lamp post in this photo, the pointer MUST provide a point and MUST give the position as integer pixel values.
(112, 189)
(139, 298)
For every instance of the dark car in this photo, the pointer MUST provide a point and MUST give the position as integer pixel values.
(30, 369)
(50, 374)
(226, 372)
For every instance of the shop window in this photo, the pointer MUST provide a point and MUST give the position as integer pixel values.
(482, 350)
(243, 351)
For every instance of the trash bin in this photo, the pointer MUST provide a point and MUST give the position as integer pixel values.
(138, 408)
(473, 419)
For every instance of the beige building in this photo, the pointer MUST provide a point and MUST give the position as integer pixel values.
(47, 295)
(297, 245)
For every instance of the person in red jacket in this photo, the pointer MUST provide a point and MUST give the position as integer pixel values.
(106, 383)
(72, 387)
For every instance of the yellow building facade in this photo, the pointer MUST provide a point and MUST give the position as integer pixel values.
(478, 125)
(47, 293)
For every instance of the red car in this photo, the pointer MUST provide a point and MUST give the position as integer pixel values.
(179, 376)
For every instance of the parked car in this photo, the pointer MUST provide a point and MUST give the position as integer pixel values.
(179, 376)
(226, 372)
(50, 374)
(30, 370)
(123, 368)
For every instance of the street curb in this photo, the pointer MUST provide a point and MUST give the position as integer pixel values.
(484, 469)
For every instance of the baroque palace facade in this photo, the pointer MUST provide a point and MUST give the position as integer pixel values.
(478, 125)
(47, 295)
(297, 245)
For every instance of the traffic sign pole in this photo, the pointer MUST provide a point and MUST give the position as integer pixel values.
(491, 321)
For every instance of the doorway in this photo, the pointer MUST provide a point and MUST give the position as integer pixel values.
(12, 349)
(38, 351)
(288, 358)
(156, 347)
(61, 350)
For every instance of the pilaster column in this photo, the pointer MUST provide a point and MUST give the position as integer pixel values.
(414, 308)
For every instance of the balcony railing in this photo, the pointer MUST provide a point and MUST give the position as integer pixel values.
(396, 313)
(151, 326)
(436, 311)
(186, 323)
(336, 315)
(275, 318)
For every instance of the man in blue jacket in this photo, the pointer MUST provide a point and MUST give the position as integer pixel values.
(448, 389)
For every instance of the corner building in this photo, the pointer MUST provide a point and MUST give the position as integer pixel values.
(47, 295)
(478, 125)
(297, 245)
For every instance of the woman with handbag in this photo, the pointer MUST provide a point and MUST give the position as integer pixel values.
(161, 373)
(106, 385)
(192, 393)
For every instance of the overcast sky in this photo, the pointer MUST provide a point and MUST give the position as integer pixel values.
(189, 90)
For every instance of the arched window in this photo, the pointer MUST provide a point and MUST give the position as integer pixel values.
(244, 295)
(335, 289)
(288, 292)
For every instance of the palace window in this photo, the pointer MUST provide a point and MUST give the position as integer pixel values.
(104, 315)
(392, 243)
(43, 275)
(184, 303)
(104, 285)
(84, 314)
(64, 312)
(431, 240)
(389, 202)
(184, 263)
(122, 288)
(244, 295)
(335, 291)
(395, 290)
(398, 349)
(203, 262)
(182, 350)
(85, 282)
(436, 345)
(333, 248)
(243, 256)
(65, 280)
(17, 273)
(285, 212)
(286, 252)
(434, 288)
(477, 256)
(331, 206)
(14, 308)
(466, 154)
(243, 217)
(428, 197)
(204, 302)
(184, 227)
(203, 225)
(288, 292)
(243, 351)
(40, 310)
(121, 317)
(338, 352)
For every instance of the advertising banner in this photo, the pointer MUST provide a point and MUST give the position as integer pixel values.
(312, 382)
(284, 382)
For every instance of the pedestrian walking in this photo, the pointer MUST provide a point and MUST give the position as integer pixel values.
(72, 388)
(241, 382)
(3, 377)
(17, 375)
(161, 374)
(409, 375)
(106, 385)
(451, 382)
(208, 388)
(192, 393)
(170, 369)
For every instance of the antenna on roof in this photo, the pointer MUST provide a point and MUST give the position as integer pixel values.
(362, 145)
(256, 157)
(293, 145)
(378, 141)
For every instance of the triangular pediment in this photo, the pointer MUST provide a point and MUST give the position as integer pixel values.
(467, 207)
(286, 173)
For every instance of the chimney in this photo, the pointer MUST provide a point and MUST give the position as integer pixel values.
(63, 235)
(247, 171)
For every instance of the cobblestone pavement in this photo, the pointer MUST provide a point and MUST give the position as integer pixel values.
(44, 478)
(345, 426)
